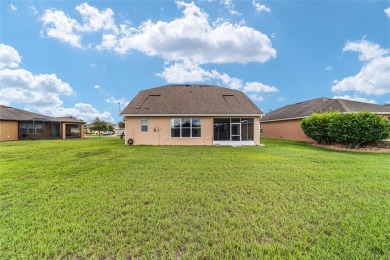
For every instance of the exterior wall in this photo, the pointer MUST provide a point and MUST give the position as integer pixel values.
(286, 130)
(8, 131)
(159, 132)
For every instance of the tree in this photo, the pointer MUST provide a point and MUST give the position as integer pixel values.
(121, 124)
(99, 125)
(110, 128)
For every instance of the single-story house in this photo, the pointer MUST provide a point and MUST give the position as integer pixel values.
(18, 124)
(285, 122)
(192, 115)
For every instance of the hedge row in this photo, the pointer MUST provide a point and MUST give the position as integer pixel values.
(352, 129)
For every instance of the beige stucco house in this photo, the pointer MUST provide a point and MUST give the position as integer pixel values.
(18, 124)
(285, 123)
(192, 115)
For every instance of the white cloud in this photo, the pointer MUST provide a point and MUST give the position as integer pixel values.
(9, 57)
(373, 78)
(355, 98)
(367, 50)
(258, 88)
(329, 68)
(188, 38)
(13, 7)
(96, 86)
(32, 8)
(387, 11)
(84, 111)
(259, 7)
(56, 24)
(94, 20)
(230, 6)
(191, 72)
(38, 92)
(117, 101)
(256, 97)
(22, 86)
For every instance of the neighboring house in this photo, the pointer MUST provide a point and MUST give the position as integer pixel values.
(17, 124)
(285, 122)
(192, 115)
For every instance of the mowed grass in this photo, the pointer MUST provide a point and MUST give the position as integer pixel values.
(96, 198)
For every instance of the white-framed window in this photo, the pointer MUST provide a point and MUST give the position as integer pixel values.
(144, 124)
(185, 127)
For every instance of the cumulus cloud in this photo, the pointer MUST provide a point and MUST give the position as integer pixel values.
(20, 85)
(256, 97)
(56, 24)
(259, 7)
(188, 38)
(356, 98)
(9, 57)
(387, 11)
(367, 50)
(190, 72)
(259, 88)
(95, 20)
(38, 92)
(84, 111)
(373, 78)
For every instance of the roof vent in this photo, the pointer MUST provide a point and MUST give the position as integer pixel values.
(154, 95)
(228, 95)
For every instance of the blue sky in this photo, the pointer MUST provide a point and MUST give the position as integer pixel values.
(83, 58)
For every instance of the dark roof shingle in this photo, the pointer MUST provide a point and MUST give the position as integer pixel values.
(191, 100)
(318, 105)
(14, 114)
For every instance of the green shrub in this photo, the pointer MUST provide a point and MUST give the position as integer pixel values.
(317, 127)
(355, 129)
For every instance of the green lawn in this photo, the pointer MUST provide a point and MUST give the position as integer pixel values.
(97, 198)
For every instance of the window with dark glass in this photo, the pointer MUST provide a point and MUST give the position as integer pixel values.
(144, 124)
(247, 129)
(185, 127)
(222, 129)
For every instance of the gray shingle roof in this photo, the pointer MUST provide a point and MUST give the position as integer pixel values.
(306, 108)
(191, 100)
(14, 114)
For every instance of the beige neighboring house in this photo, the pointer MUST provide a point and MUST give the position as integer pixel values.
(192, 115)
(18, 124)
(285, 123)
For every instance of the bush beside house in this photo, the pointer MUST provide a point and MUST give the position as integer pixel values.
(352, 129)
